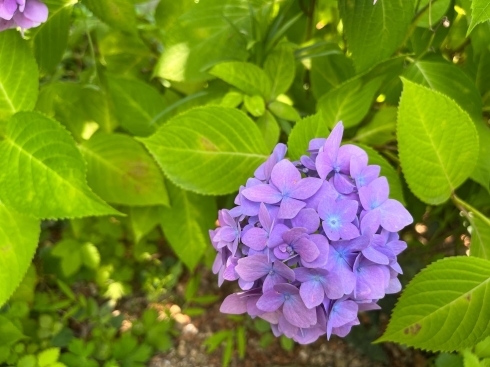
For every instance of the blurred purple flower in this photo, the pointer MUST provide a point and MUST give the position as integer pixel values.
(22, 13)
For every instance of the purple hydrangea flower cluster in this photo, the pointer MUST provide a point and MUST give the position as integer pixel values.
(311, 243)
(22, 13)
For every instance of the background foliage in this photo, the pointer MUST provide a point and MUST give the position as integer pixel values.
(125, 124)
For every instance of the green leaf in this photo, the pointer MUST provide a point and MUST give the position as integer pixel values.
(232, 99)
(124, 53)
(51, 38)
(255, 105)
(99, 108)
(280, 67)
(63, 101)
(201, 35)
(267, 124)
(48, 357)
(480, 12)
(396, 191)
(437, 10)
(9, 333)
(27, 361)
(450, 81)
(19, 78)
(137, 105)
(304, 130)
(143, 220)
(18, 242)
(431, 131)
(245, 76)
(470, 360)
(43, 173)
(69, 252)
(241, 341)
(374, 32)
(330, 70)
(284, 111)
(121, 171)
(449, 360)
(228, 351)
(481, 173)
(90, 255)
(381, 129)
(482, 349)
(443, 307)
(480, 231)
(349, 102)
(211, 150)
(186, 224)
(119, 14)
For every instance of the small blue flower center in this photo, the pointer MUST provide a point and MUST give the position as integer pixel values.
(374, 204)
(287, 296)
(333, 222)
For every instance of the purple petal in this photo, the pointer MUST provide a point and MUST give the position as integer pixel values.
(288, 329)
(265, 218)
(283, 270)
(346, 152)
(255, 238)
(285, 176)
(312, 293)
(253, 267)
(374, 194)
(393, 216)
(306, 249)
(397, 246)
(270, 301)
(297, 314)
(275, 237)
(36, 11)
(307, 218)
(271, 280)
(375, 256)
(343, 312)
(370, 222)
(290, 208)
(286, 288)
(294, 234)
(321, 243)
(324, 164)
(343, 184)
(326, 191)
(234, 304)
(262, 194)
(306, 188)
(348, 231)
(227, 234)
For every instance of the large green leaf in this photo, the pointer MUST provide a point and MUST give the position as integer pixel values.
(270, 129)
(204, 34)
(19, 79)
(18, 241)
(119, 14)
(481, 173)
(245, 76)
(374, 32)
(349, 102)
(210, 150)
(280, 68)
(445, 307)
(186, 224)
(121, 171)
(51, 38)
(43, 173)
(9, 333)
(396, 191)
(449, 80)
(330, 70)
(432, 129)
(434, 11)
(480, 12)
(304, 130)
(137, 105)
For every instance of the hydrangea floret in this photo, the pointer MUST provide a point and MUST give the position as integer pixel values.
(311, 243)
(24, 14)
